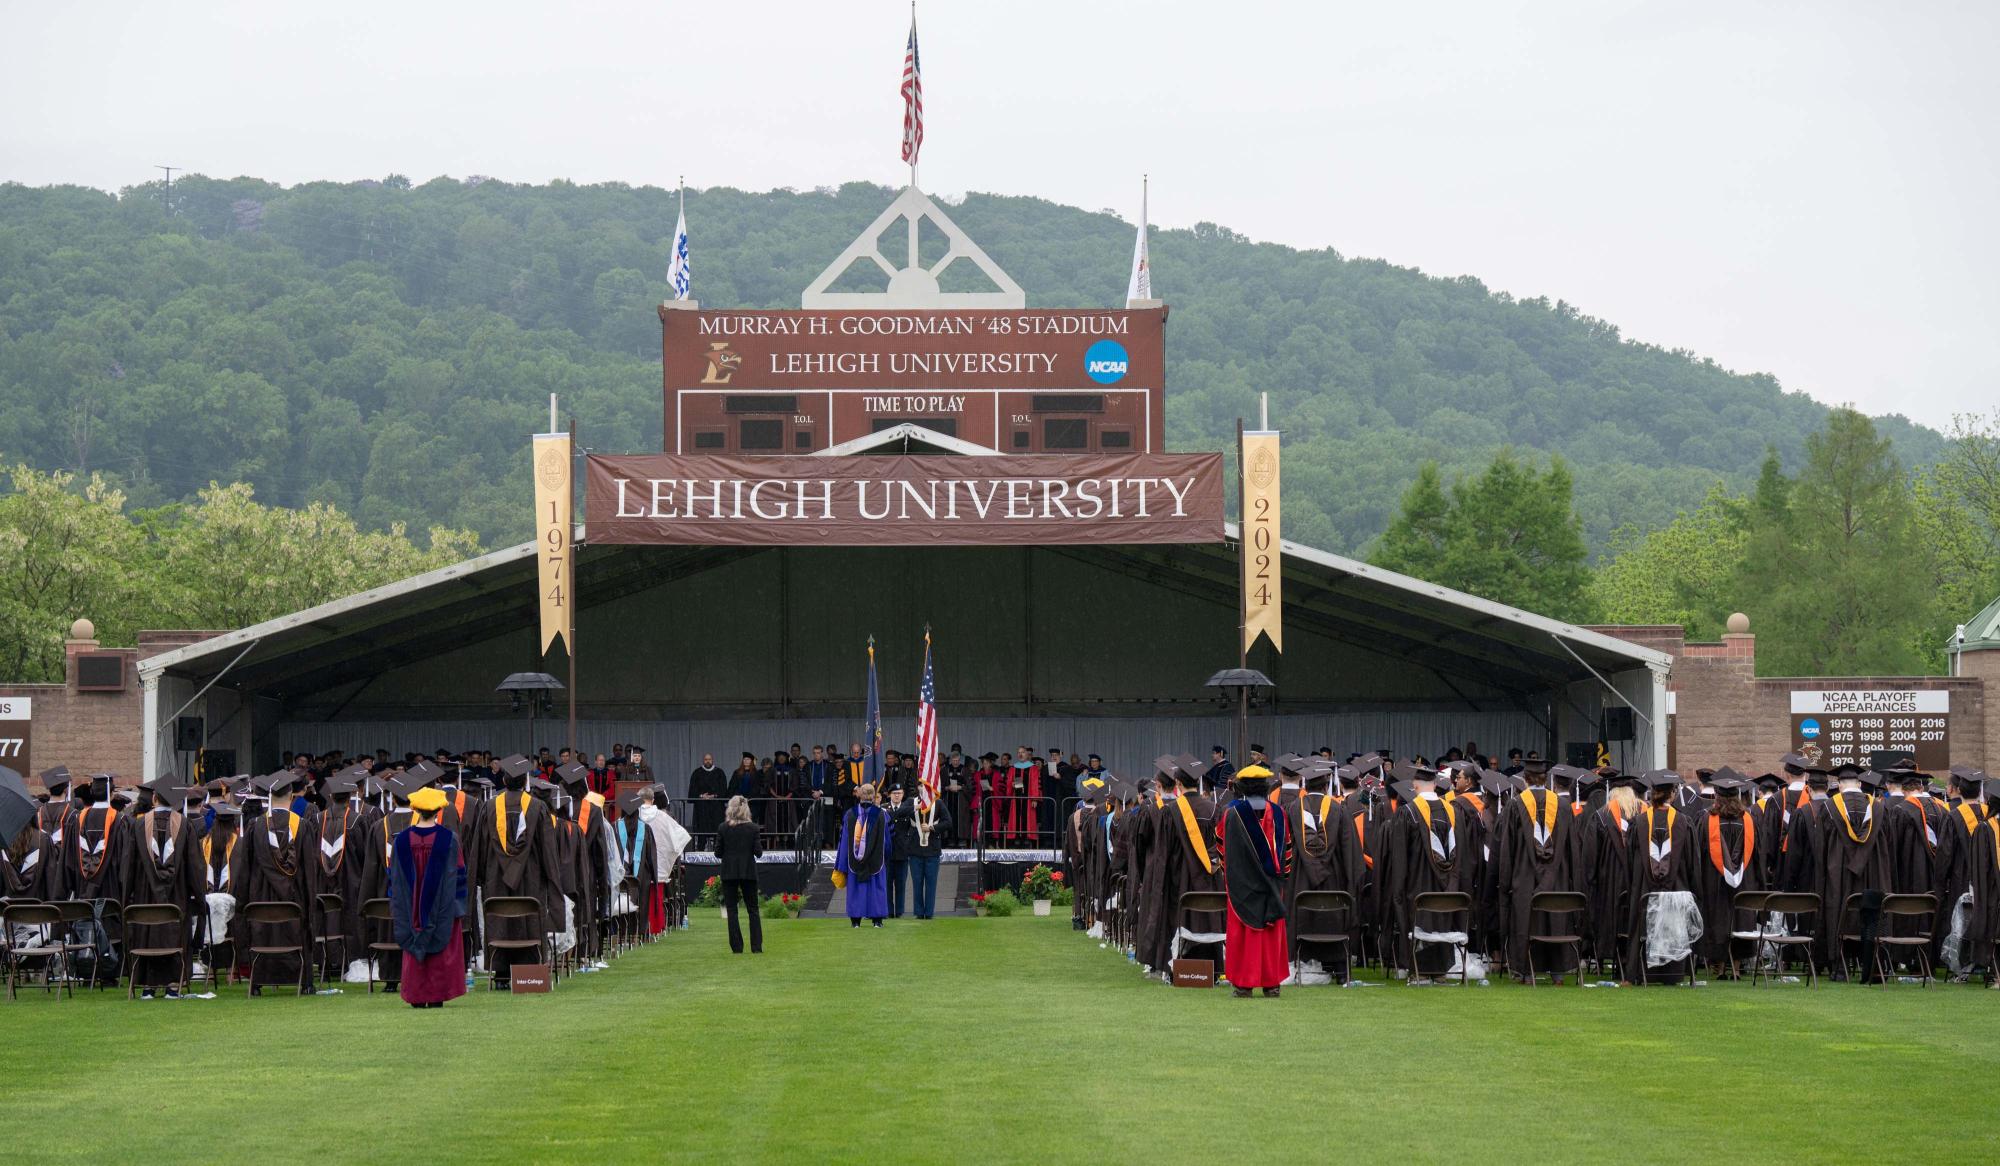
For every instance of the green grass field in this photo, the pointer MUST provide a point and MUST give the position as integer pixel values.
(999, 1040)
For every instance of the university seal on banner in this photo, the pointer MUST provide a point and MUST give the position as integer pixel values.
(1263, 467)
(551, 466)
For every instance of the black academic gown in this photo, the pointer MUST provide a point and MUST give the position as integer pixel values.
(1727, 867)
(1957, 840)
(1329, 854)
(1606, 866)
(271, 866)
(515, 841)
(27, 864)
(339, 856)
(1411, 865)
(1674, 870)
(706, 786)
(1535, 850)
(1854, 865)
(165, 871)
(1156, 910)
(1916, 826)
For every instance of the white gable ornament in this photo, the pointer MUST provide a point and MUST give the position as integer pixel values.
(913, 285)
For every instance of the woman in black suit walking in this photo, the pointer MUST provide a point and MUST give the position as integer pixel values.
(737, 846)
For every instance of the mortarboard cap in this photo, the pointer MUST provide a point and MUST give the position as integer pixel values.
(1871, 779)
(1659, 779)
(573, 773)
(628, 802)
(427, 771)
(1535, 763)
(514, 765)
(55, 778)
(1991, 789)
(1403, 791)
(275, 782)
(1793, 761)
(1287, 763)
(1410, 771)
(1168, 764)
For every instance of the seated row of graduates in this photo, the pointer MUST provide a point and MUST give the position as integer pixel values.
(1385, 832)
(552, 841)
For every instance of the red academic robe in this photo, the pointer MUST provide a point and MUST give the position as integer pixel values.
(1256, 852)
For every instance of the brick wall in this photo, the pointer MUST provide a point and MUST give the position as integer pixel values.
(1726, 715)
(1984, 666)
(95, 732)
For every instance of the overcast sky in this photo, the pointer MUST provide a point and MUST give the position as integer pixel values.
(1803, 189)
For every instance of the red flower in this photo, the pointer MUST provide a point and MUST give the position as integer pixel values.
(1057, 876)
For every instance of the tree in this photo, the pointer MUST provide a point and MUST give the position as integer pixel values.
(65, 554)
(227, 561)
(1683, 573)
(1835, 578)
(1511, 535)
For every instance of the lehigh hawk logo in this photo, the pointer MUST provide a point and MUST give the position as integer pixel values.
(722, 363)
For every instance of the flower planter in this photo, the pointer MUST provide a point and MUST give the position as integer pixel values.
(1041, 906)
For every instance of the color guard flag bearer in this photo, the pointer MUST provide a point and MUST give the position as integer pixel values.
(927, 743)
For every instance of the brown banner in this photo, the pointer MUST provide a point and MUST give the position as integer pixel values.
(904, 501)
(941, 350)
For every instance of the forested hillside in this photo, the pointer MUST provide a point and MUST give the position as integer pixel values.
(387, 347)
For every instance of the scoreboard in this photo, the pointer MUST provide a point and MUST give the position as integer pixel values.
(1854, 725)
(1012, 380)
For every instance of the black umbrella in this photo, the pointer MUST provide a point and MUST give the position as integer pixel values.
(17, 805)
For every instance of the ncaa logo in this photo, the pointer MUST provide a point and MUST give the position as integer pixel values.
(1106, 362)
(1809, 728)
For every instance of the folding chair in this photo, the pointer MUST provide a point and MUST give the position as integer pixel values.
(284, 915)
(1752, 903)
(48, 917)
(1798, 906)
(630, 921)
(1921, 907)
(1336, 904)
(328, 933)
(373, 912)
(1116, 930)
(1456, 904)
(1565, 903)
(75, 913)
(512, 907)
(1850, 931)
(148, 915)
(1195, 903)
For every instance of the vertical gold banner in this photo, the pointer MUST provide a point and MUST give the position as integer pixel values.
(1263, 575)
(554, 528)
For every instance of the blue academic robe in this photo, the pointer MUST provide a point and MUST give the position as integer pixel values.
(867, 896)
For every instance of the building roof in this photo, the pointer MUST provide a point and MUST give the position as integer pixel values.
(1982, 631)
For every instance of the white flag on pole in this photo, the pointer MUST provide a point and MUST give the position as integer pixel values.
(1140, 287)
(679, 275)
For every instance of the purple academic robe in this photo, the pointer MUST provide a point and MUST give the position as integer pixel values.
(864, 845)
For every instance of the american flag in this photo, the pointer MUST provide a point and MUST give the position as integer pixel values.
(913, 97)
(927, 735)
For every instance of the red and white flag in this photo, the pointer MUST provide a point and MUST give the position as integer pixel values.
(927, 735)
(913, 96)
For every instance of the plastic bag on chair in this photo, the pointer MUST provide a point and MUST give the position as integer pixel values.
(1307, 974)
(221, 909)
(1673, 927)
(1954, 940)
(566, 938)
(356, 973)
